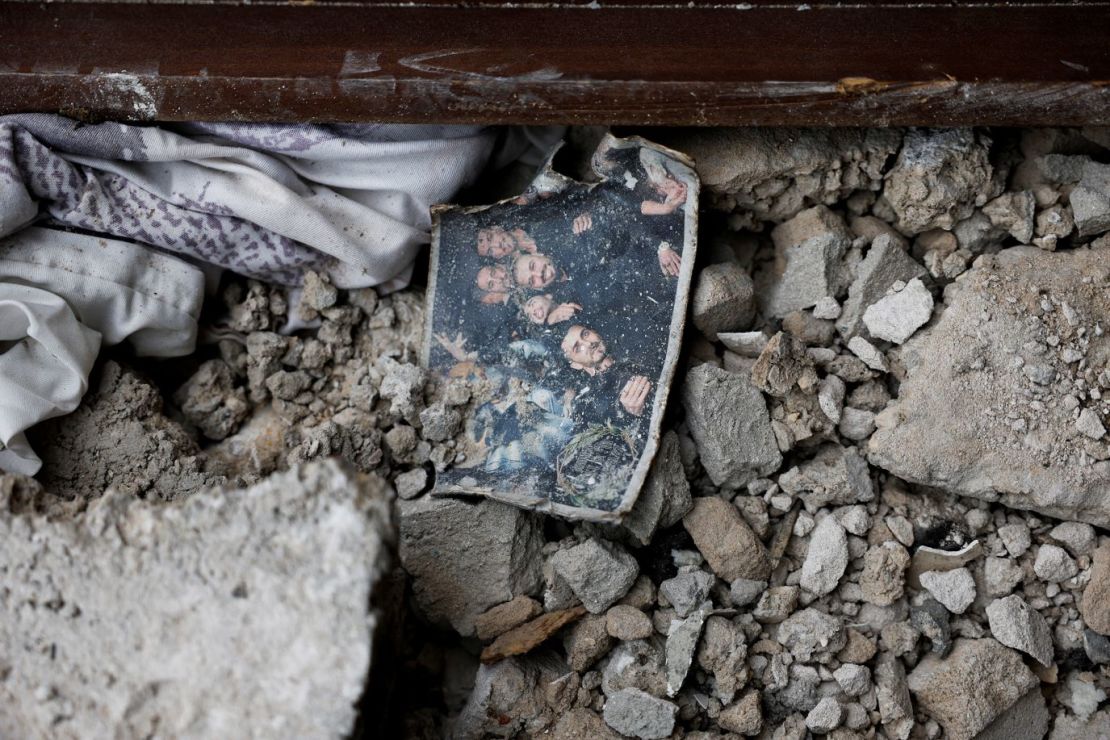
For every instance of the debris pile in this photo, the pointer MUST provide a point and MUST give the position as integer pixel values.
(878, 509)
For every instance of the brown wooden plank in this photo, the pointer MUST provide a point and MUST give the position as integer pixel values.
(768, 64)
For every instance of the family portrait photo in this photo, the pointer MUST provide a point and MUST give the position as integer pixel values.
(564, 309)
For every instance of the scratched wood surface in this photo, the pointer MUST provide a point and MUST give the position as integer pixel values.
(893, 62)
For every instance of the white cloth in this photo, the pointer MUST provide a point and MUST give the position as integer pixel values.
(265, 200)
(61, 296)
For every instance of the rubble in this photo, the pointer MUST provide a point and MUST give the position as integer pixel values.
(1017, 625)
(625, 622)
(1054, 564)
(1009, 305)
(96, 606)
(682, 641)
(726, 541)
(826, 558)
(939, 177)
(886, 263)
(975, 684)
(802, 584)
(723, 301)
(687, 590)
(1090, 199)
(665, 497)
(955, 589)
(808, 249)
(1095, 603)
(635, 713)
(465, 558)
(598, 572)
(904, 310)
(744, 717)
(728, 420)
(769, 174)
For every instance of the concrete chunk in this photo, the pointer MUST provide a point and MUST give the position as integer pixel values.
(598, 572)
(896, 316)
(249, 609)
(635, 713)
(975, 684)
(1008, 336)
(886, 263)
(465, 558)
(728, 420)
(808, 251)
(726, 541)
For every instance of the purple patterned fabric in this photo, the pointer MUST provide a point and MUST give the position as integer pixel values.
(264, 200)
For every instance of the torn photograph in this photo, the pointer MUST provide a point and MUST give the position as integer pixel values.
(563, 309)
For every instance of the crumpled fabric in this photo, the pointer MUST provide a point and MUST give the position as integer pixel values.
(63, 296)
(265, 200)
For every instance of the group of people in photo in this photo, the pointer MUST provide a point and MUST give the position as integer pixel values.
(561, 303)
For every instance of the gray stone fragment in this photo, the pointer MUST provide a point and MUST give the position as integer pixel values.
(1027, 719)
(724, 653)
(1016, 624)
(682, 641)
(893, 696)
(868, 353)
(723, 301)
(1090, 199)
(250, 609)
(728, 420)
(726, 541)
(1016, 538)
(856, 424)
(1089, 424)
(1053, 564)
(1078, 537)
(970, 351)
(836, 475)
(955, 588)
(808, 250)
(745, 717)
(776, 604)
(976, 683)
(1096, 646)
(744, 591)
(825, 717)
(826, 558)
(810, 632)
(587, 641)
(744, 343)
(1094, 607)
(634, 713)
(412, 483)
(665, 497)
(883, 578)
(939, 177)
(1001, 575)
(931, 620)
(465, 558)
(598, 572)
(886, 263)
(638, 664)
(508, 699)
(1013, 213)
(854, 680)
(687, 590)
(897, 315)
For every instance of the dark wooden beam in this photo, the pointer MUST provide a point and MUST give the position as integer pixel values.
(649, 62)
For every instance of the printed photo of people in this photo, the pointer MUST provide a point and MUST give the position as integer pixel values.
(564, 308)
